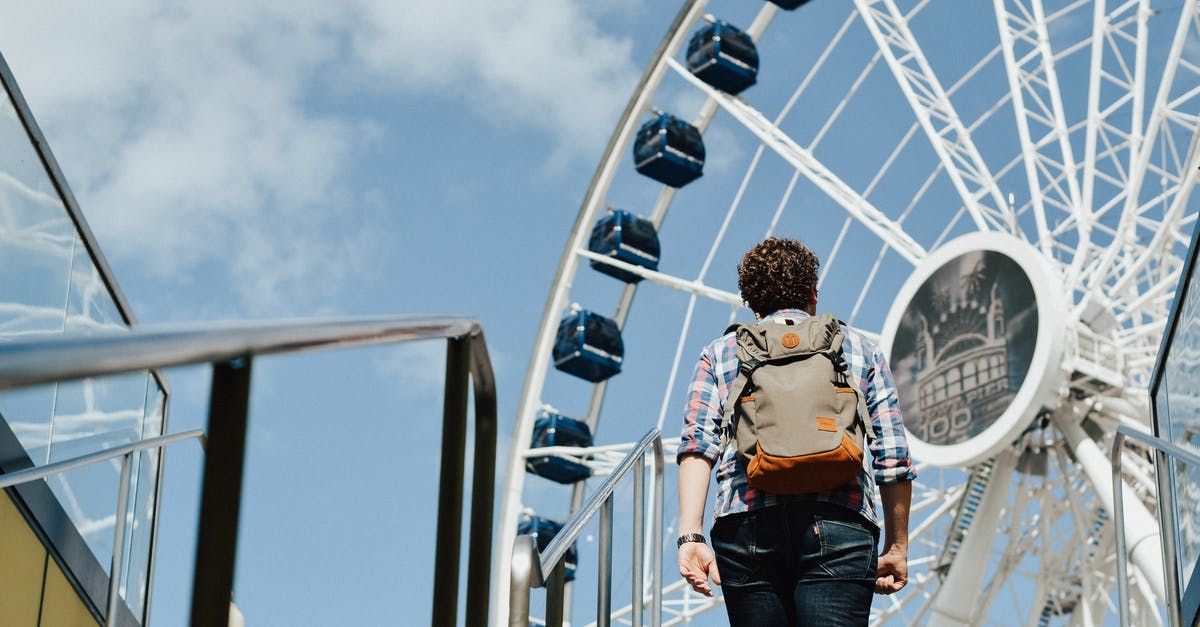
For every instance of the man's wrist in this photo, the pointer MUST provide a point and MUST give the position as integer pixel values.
(897, 548)
(690, 537)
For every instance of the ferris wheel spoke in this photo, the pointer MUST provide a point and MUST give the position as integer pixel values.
(812, 169)
(932, 107)
(1165, 237)
(1113, 33)
(1037, 104)
(1163, 114)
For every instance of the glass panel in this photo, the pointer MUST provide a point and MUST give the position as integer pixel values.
(141, 527)
(90, 307)
(49, 283)
(36, 239)
(1179, 422)
(91, 415)
(27, 412)
(36, 236)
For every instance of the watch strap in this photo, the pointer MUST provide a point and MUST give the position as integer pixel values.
(690, 537)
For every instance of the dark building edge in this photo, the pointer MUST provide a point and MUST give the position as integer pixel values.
(50, 164)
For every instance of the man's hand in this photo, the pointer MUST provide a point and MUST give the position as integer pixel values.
(892, 573)
(697, 564)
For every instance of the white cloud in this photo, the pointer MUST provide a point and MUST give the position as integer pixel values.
(417, 369)
(188, 130)
(539, 62)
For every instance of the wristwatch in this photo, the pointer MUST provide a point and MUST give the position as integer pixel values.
(690, 537)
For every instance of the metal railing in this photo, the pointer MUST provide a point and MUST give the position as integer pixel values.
(125, 452)
(230, 349)
(529, 568)
(1164, 451)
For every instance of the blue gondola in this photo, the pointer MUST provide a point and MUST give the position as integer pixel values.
(723, 56)
(544, 530)
(626, 237)
(789, 4)
(553, 429)
(588, 346)
(669, 151)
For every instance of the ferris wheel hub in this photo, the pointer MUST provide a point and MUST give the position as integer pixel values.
(976, 340)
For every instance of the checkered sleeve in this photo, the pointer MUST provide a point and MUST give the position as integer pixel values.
(889, 448)
(702, 417)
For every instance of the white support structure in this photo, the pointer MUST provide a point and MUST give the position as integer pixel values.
(1137, 218)
(1116, 90)
(958, 596)
(1049, 160)
(946, 132)
(811, 168)
(1141, 528)
(1165, 238)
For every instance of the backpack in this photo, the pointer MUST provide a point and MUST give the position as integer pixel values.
(798, 423)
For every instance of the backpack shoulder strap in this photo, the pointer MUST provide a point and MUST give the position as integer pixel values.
(838, 356)
(749, 358)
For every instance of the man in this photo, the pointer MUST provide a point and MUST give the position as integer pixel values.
(807, 559)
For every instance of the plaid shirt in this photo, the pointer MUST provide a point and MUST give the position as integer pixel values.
(868, 370)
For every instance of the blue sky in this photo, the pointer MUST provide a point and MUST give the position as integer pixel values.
(305, 158)
(264, 160)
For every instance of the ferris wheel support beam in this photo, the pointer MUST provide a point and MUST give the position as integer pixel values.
(811, 168)
(1144, 548)
(540, 355)
(1109, 28)
(957, 598)
(1163, 110)
(929, 102)
(1164, 238)
(1034, 70)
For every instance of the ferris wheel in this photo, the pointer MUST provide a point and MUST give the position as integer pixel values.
(1000, 194)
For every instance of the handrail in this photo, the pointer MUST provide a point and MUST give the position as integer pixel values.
(58, 358)
(529, 568)
(1163, 449)
(230, 349)
(125, 452)
(48, 470)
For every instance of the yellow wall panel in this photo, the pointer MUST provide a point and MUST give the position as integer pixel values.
(22, 564)
(61, 607)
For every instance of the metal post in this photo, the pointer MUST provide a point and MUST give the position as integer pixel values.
(1119, 522)
(1168, 532)
(221, 496)
(526, 572)
(118, 558)
(450, 486)
(604, 576)
(656, 538)
(639, 537)
(555, 594)
(483, 484)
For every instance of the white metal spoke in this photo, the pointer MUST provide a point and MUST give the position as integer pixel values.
(1164, 123)
(933, 109)
(812, 169)
(1037, 103)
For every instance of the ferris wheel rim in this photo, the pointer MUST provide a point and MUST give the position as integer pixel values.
(1077, 272)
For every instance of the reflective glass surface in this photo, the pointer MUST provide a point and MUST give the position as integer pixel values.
(50, 284)
(1179, 422)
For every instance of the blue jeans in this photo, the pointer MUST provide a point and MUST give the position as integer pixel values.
(796, 563)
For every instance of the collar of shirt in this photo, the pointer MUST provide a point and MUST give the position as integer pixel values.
(795, 315)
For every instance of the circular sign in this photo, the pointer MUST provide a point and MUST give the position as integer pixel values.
(975, 340)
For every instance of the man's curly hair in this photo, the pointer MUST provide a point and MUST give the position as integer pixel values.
(778, 273)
